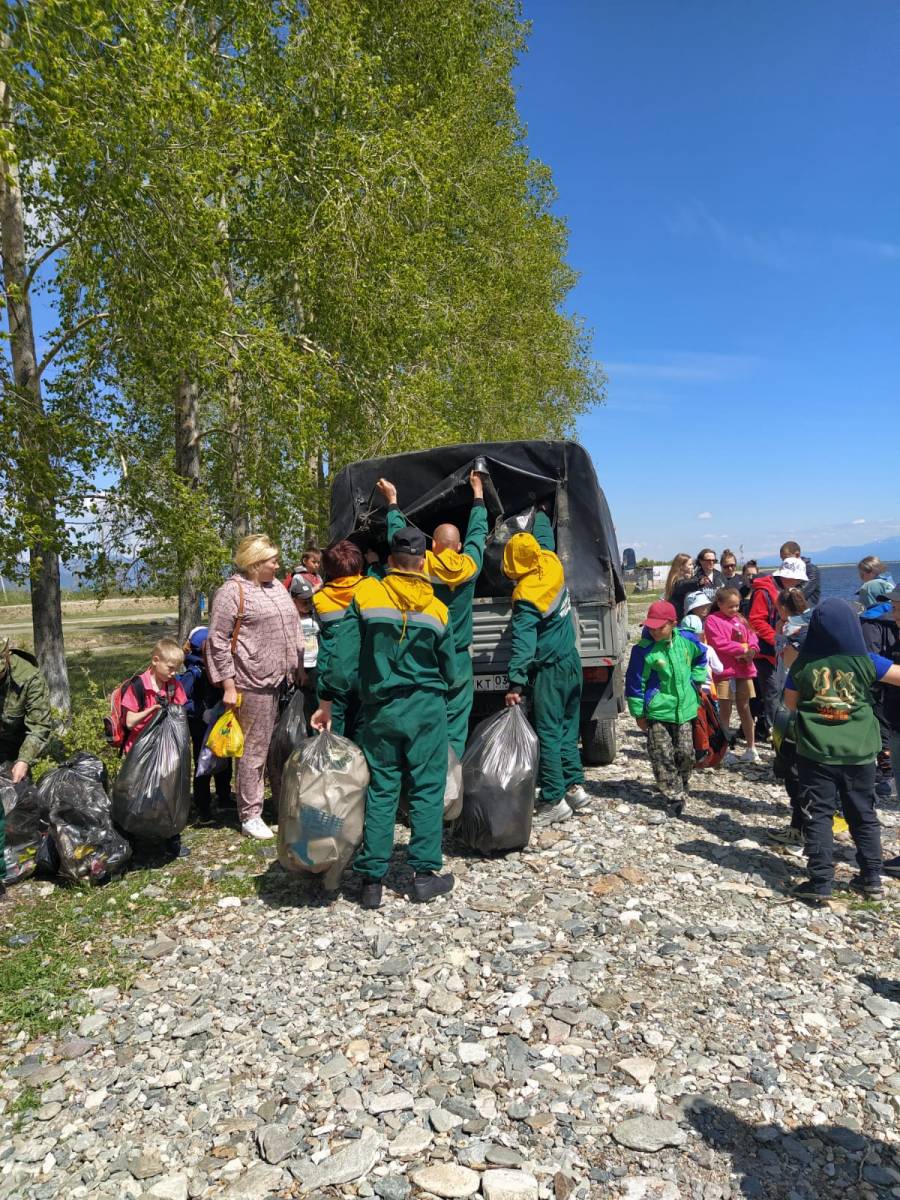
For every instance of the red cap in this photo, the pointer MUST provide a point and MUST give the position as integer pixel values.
(660, 613)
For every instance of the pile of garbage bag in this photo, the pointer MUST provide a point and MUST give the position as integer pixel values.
(82, 844)
(26, 826)
(151, 797)
(499, 780)
(322, 807)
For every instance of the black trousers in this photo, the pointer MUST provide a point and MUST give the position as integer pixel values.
(765, 703)
(197, 727)
(823, 790)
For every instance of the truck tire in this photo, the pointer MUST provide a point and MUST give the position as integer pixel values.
(598, 742)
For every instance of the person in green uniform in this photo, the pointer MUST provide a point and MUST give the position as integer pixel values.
(544, 655)
(342, 565)
(396, 641)
(453, 567)
(25, 721)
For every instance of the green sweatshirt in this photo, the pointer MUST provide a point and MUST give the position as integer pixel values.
(395, 640)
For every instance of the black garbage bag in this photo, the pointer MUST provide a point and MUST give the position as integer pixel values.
(499, 779)
(26, 826)
(85, 844)
(287, 735)
(151, 797)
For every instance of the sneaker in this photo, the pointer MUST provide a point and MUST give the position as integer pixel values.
(750, 755)
(176, 849)
(674, 808)
(892, 867)
(811, 889)
(785, 837)
(427, 885)
(370, 896)
(257, 828)
(577, 797)
(551, 814)
(731, 758)
(866, 887)
(839, 825)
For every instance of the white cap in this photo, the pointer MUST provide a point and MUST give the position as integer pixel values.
(696, 600)
(793, 568)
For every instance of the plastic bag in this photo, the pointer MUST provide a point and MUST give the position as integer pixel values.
(85, 846)
(226, 738)
(26, 826)
(499, 779)
(453, 792)
(323, 805)
(286, 737)
(152, 794)
(207, 762)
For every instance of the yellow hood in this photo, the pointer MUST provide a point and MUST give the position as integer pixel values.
(538, 573)
(409, 591)
(337, 596)
(450, 567)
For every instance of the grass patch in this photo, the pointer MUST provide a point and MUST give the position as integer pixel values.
(54, 947)
(28, 1099)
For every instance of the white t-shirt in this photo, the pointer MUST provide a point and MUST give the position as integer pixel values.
(309, 628)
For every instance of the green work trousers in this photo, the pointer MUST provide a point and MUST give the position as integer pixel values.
(459, 704)
(556, 692)
(405, 744)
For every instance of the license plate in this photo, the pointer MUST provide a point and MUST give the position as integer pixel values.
(491, 683)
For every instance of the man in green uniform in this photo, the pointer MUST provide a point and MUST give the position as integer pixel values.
(544, 655)
(25, 721)
(453, 568)
(396, 641)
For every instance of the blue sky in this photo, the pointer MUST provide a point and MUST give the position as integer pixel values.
(730, 174)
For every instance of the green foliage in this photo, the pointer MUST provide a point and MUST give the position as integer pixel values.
(324, 217)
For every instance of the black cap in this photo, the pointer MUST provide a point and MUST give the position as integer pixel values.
(408, 540)
(301, 589)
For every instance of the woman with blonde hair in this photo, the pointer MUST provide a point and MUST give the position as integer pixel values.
(254, 645)
(682, 568)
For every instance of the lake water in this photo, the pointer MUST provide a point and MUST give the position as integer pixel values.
(844, 581)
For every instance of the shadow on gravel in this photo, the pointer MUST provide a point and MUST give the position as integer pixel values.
(812, 1162)
(716, 798)
(773, 870)
(889, 988)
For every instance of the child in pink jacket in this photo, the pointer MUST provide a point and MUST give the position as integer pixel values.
(736, 645)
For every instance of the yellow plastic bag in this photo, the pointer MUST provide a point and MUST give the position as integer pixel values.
(226, 738)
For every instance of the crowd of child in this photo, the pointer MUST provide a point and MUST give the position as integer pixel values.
(821, 678)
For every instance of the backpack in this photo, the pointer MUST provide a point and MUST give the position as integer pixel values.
(114, 727)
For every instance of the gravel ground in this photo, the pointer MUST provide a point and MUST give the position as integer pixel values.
(627, 1009)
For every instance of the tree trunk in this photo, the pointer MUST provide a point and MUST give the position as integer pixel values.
(46, 605)
(187, 465)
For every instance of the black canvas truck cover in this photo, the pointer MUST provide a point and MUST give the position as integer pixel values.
(433, 487)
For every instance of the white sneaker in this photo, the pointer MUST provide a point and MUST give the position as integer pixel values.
(577, 797)
(257, 828)
(552, 814)
(731, 758)
(751, 755)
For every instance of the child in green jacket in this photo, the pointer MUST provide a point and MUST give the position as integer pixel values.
(665, 672)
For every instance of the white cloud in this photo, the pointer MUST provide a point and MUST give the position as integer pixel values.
(704, 516)
(859, 521)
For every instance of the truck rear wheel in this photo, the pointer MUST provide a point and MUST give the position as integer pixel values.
(598, 742)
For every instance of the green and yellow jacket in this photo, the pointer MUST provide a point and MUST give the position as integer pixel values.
(395, 640)
(25, 719)
(330, 604)
(454, 573)
(542, 629)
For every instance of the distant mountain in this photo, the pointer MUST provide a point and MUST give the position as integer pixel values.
(887, 549)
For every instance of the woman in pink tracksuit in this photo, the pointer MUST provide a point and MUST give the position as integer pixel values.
(736, 645)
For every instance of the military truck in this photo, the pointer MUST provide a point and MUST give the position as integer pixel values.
(520, 478)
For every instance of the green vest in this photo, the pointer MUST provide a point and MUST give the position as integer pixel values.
(836, 723)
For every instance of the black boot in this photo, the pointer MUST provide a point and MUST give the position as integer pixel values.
(427, 885)
(370, 896)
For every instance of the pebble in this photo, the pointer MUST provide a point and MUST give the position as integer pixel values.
(627, 1010)
(447, 1180)
(170, 1187)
